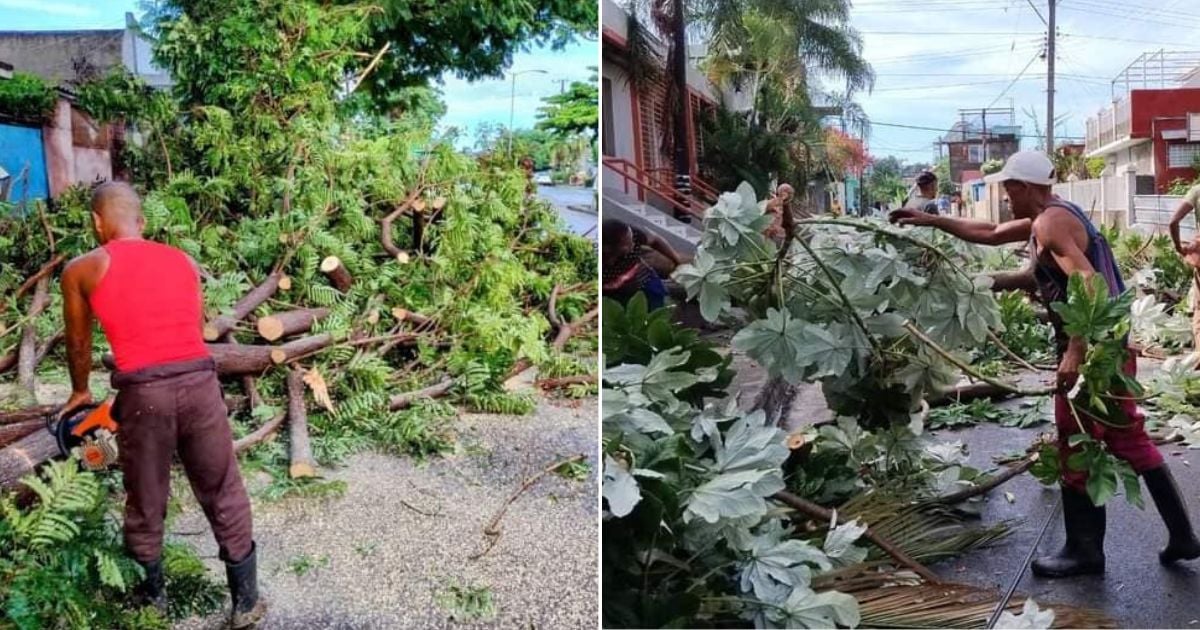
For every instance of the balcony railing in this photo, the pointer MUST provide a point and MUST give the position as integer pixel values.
(1110, 125)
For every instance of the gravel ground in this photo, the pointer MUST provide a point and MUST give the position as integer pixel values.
(386, 552)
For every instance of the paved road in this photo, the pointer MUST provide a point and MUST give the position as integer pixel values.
(565, 198)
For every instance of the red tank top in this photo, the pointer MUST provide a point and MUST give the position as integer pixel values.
(148, 303)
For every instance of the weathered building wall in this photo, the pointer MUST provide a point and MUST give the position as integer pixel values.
(62, 56)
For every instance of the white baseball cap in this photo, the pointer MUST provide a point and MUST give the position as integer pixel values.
(1026, 166)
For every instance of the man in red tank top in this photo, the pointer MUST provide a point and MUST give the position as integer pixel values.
(147, 298)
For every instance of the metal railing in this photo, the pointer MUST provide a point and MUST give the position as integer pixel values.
(646, 182)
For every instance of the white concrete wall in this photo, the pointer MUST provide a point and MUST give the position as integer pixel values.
(624, 138)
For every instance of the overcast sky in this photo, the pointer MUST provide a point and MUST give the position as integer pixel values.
(933, 57)
(468, 104)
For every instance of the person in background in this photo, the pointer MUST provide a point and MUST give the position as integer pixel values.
(624, 272)
(956, 204)
(924, 195)
(779, 203)
(1190, 253)
(1063, 241)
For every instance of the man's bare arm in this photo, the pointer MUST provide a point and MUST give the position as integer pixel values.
(1181, 213)
(77, 316)
(661, 246)
(970, 230)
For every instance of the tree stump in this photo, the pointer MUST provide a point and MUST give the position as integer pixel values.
(333, 269)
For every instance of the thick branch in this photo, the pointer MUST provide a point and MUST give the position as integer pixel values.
(21, 457)
(818, 513)
(220, 326)
(405, 400)
(915, 332)
(302, 463)
(24, 415)
(984, 488)
(27, 354)
(300, 348)
(10, 433)
(32, 280)
(283, 324)
(385, 225)
(259, 434)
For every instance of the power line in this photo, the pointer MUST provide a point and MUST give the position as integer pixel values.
(1014, 81)
(1035, 10)
(920, 128)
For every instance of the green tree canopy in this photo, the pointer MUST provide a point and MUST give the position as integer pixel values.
(573, 112)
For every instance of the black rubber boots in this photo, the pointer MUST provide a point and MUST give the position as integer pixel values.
(153, 590)
(248, 609)
(1083, 553)
(1182, 544)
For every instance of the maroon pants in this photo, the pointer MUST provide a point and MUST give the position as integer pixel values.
(178, 408)
(1129, 443)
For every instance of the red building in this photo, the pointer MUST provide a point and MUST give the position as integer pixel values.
(1153, 126)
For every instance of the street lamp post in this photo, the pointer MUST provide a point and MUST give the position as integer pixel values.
(512, 105)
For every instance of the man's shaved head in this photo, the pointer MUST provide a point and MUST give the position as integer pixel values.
(116, 211)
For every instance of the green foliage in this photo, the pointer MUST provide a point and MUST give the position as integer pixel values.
(736, 151)
(958, 414)
(467, 602)
(832, 309)
(62, 560)
(26, 97)
(632, 334)
(304, 564)
(1023, 333)
(573, 112)
(1106, 474)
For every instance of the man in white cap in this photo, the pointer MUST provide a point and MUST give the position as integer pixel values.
(1062, 242)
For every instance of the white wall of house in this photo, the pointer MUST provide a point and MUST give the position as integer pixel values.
(619, 128)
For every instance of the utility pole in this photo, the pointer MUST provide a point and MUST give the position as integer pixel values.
(1050, 36)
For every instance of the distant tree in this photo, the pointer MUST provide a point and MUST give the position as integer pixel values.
(573, 112)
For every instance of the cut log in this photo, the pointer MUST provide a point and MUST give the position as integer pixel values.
(385, 225)
(279, 325)
(300, 348)
(221, 326)
(23, 456)
(405, 400)
(232, 359)
(405, 315)
(285, 283)
(302, 464)
(333, 269)
(27, 352)
(25, 415)
(10, 433)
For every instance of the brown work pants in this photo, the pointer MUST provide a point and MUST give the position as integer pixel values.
(178, 408)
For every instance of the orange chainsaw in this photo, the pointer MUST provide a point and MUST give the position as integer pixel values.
(88, 431)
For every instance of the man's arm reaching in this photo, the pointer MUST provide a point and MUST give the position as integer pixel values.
(971, 230)
(77, 315)
(1185, 208)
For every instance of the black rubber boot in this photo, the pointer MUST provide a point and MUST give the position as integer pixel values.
(1182, 544)
(248, 609)
(153, 589)
(1083, 553)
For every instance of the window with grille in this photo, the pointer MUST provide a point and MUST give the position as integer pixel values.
(1181, 155)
